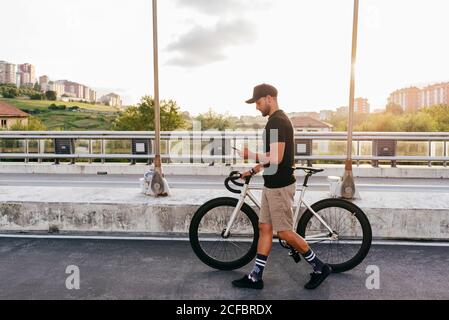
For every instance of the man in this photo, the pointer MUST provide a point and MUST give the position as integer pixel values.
(276, 212)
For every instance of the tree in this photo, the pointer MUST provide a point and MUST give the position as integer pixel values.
(51, 95)
(417, 122)
(37, 87)
(34, 124)
(141, 117)
(211, 120)
(440, 114)
(394, 108)
(36, 96)
(10, 92)
(380, 122)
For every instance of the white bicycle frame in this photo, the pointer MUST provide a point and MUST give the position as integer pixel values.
(246, 191)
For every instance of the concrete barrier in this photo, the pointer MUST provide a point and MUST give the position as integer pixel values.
(364, 171)
(393, 215)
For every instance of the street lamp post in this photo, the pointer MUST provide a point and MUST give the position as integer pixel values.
(157, 183)
(157, 120)
(348, 185)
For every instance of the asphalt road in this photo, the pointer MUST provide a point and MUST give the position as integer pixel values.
(168, 270)
(212, 182)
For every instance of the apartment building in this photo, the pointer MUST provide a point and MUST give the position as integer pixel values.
(43, 80)
(413, 98)
(112, 100)
(7, 73)
(26, 75)
(407, 98)
(434, 94)
(361, 105)
(92, 95)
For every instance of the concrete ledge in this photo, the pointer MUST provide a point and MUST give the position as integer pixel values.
(394, 215)
(364, 171)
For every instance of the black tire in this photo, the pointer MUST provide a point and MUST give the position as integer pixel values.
(349, 222)
(206, 231)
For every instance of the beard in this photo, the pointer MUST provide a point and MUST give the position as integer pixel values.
(265, 111)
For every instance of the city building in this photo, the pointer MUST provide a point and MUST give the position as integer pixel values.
(413, 98)
(56, 87)
(43, 80)
(407, 98)
(73, 89)
(309, 124)
(434, 94)
(342, 111)
(92, 96)
(86, 93)
(9, 115)
(325, 115)
(26, 74)
(7, 73)
(112, 100)
(361, 105)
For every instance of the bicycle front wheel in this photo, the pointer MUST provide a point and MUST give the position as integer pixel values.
(350, 241)
(207, 229)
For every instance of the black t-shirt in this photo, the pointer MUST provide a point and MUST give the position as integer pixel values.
(279, 129)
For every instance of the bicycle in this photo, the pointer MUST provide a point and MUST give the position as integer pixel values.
(224, 231)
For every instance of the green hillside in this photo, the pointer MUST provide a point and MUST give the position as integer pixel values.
(43, 104)
(87, 117)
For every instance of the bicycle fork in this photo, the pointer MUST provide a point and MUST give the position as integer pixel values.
(226, 232)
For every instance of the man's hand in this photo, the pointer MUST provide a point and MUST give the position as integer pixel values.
(246, 174)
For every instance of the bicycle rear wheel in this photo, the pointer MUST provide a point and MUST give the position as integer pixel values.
(351, 227)
(206, 234)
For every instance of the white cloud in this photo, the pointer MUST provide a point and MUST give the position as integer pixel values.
(204, 45)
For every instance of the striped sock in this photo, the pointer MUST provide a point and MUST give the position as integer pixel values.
(313, 260)
(256, 273)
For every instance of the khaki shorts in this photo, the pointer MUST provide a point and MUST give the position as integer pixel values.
(276, 207)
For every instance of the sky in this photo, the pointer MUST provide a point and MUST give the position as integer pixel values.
(213, 52)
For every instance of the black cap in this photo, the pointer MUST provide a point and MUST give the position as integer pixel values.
(263, 90)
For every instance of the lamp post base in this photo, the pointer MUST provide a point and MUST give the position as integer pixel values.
(348, 185)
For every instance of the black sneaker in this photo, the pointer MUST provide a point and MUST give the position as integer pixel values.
(317, 278)
(246, 282)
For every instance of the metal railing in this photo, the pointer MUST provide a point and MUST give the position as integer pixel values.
(212, 146)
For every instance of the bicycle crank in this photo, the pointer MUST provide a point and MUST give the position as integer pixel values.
(295, 255)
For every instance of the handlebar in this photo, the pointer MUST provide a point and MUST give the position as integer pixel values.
(233, 177)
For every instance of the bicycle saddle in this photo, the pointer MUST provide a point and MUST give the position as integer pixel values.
(309, 169)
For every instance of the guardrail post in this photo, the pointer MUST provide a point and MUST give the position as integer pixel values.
(429, 163)
(103, 149)
(445, 153)
(89, 149)
(26, 150)
(39, 149)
